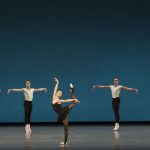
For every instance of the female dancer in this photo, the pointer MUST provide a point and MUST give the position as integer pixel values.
(28, 94)
(115, 90)
(63, 111)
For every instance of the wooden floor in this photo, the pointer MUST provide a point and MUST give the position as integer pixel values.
(99, 137)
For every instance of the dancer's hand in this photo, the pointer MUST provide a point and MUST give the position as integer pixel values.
(9, 91)
(94, 87)
(76, 101)
(45, 90)
(56, 80)
(137, 91)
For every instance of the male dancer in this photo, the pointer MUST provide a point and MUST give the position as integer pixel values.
(115, 91)
(28, 94)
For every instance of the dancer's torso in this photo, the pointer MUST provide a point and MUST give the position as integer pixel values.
(115, 90)
(56, 107)
(28, 93)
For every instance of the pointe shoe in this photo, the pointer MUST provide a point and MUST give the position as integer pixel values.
(28, 129)
(63, 143)
(71, 85)
(116, 128)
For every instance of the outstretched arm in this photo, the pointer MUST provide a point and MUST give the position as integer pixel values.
(14, 90)
(129, 89)
(100, 86)
(56, 87)
(69, 100)
(40, 90)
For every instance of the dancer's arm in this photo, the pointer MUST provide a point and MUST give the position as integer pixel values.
(129, 89)
(14, 90)
(69, 100)
(56, 87)
(101, 86)
(40, 90)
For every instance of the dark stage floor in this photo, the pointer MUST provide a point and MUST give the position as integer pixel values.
(84, 137)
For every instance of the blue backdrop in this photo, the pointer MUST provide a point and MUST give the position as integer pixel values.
(85, 43)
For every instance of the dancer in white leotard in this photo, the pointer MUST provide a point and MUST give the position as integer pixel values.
(28, 94)
(115, 91)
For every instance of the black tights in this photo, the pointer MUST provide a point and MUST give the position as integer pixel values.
(65, 121)
(27, 110)
(116, 105)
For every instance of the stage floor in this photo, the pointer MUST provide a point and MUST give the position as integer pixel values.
(99, 137)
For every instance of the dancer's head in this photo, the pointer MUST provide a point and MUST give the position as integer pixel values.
(59, 93)
(28, 83)
(116, 81)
